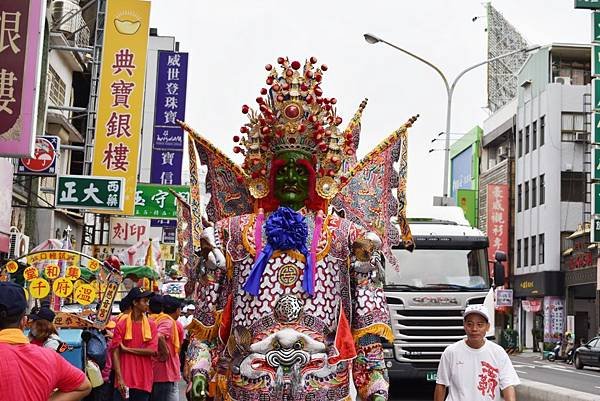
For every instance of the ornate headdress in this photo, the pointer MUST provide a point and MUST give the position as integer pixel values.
(293, 115)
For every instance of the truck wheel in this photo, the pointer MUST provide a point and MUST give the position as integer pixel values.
(578, 364)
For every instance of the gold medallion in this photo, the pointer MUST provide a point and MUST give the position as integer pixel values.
(259, 188)
(326, 187)
(288, 275)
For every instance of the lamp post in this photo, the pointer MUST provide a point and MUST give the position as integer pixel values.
(372, 39)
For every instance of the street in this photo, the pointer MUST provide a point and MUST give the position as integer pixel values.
(530, 367)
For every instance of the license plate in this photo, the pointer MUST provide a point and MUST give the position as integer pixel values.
(431, 376)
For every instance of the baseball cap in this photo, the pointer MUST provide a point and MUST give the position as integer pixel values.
(157, 300)
(42, 313)
(191, 308)
(12, 298)
(476, 309)
(138, 293)
(170, 302)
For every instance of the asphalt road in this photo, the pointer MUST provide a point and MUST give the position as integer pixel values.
(557, 373)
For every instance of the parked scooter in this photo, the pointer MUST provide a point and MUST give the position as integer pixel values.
(559, 354)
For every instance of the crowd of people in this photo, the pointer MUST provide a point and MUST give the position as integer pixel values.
(138, 356)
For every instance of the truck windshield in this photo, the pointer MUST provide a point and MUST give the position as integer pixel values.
(453, 269)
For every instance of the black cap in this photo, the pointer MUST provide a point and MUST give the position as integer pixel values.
(42, 313)
(156, 303)
(124, 303)
(170, 302)
(12, 298)
(138, 293)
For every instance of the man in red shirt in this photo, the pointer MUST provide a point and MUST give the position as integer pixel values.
(133, 345)
(166, 364)
(29, 372)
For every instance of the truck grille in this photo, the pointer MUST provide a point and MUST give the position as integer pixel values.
(420, 336)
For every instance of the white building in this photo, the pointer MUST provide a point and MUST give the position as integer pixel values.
(551, 176)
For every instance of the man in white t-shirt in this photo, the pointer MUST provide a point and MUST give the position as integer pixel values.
(475, 369)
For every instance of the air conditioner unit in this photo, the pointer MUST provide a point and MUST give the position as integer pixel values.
(581, 137)
(502, 151)
(562, 80)
(61, 11)
(19, 245)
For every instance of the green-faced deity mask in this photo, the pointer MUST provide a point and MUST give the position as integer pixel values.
(292, 180)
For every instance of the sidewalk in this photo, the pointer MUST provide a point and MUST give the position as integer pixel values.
(528, 353)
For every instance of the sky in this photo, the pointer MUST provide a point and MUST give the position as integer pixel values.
(230, 42)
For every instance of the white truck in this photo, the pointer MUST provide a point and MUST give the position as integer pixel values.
(428, 292)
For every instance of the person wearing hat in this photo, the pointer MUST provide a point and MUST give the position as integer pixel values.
(30, 372)
(156, 306)
(475, 369)
(133, 345)
(42, 331)
(166, 364)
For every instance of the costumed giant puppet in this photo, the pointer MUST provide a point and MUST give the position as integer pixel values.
(290, 304)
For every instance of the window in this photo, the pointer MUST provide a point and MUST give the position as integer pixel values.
(572, 186)
(577, 71)
(533, 135)
(533, 192)
(518, 253)
(542, 129)
(541, 249)
(527, 139)
(520, 142)
(56, 88)
(542, 189)
(533, 255)
(526, 252)
(519, 197)
(571, 123)
(526, 196)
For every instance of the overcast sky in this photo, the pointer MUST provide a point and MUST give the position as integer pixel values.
(230, 42)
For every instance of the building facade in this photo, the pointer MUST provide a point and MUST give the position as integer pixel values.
(551, 176)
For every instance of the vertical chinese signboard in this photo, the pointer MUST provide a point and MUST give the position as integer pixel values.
(167, 141)
(497, 220)
(121, 94)
(21, 28)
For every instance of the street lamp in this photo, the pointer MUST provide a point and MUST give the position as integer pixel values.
(372, 39)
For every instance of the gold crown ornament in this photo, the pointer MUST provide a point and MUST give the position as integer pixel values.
(294, 116)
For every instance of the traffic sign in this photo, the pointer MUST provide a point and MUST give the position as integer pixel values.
(589, 4)
(595, 59)
(596, 94)
(595, 233)
(596, 127)
(81, 192)
(44, 157)
(596, 26)
(595, 198)
(596, 161)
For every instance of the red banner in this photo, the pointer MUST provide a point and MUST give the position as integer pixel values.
(498, 221)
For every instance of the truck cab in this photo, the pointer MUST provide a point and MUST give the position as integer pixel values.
(428, 290)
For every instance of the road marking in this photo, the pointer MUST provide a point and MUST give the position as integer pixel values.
(525, 373)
